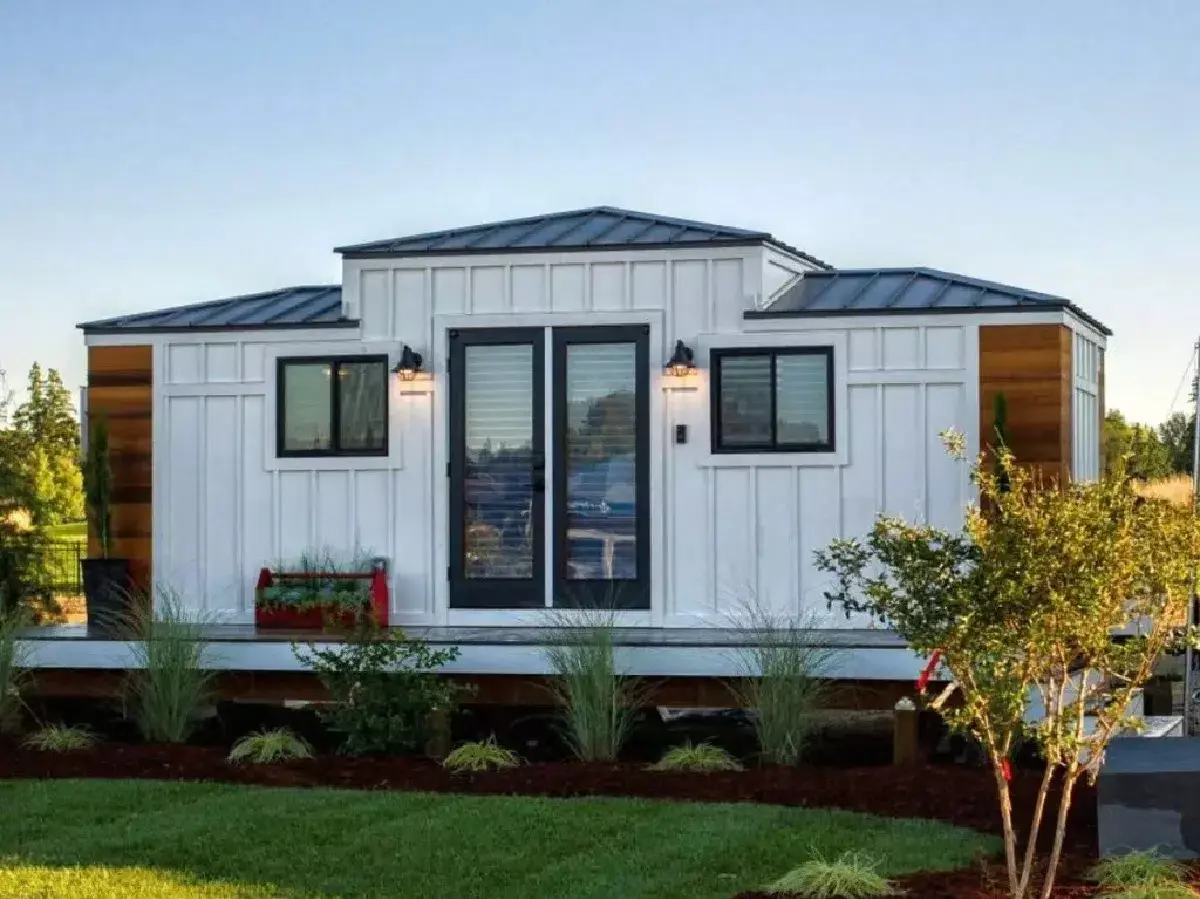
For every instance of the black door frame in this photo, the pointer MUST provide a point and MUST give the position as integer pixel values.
(496, 593)
(625, 594)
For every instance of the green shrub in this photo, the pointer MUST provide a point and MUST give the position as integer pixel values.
(1137, 869)
(851, 876)
(782, 666)
(702, 758)
(486, 755)
(384, 686)
(169, 682)
(60, 738)
(598, 703)
(264, 747)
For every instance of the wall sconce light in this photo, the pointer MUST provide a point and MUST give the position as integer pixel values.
(409, 364)
(680, 364)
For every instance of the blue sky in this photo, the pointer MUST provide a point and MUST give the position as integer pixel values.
(157, 153)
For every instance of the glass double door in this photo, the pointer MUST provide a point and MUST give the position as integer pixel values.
(549, 467)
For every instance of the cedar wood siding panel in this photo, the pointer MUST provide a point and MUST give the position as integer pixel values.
(1031, 366)
(120, 385)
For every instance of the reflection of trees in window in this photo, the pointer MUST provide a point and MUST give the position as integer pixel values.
(499, 488)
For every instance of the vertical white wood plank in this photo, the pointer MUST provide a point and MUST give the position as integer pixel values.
(219, 505)
(735, 537)
(183, 501)
(775, 545)
(944, 409)
(903, 445)
(295, 514)
(332, 511)
(259, 519)
(820, 492)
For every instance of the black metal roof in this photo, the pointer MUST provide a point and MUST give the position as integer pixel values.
(288, 307)
(908, 290)
(598, 227)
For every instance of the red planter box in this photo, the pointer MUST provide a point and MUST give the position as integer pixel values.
(316, 619)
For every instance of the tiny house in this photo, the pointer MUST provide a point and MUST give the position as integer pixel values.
(588, 407)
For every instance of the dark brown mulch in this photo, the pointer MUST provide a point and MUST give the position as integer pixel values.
(958, 795)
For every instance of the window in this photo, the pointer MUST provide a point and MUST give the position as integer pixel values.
(772, 400)
(332, 407)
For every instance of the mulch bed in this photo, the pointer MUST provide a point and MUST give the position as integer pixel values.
(955, 794)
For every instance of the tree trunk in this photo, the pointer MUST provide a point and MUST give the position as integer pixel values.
(1015, 888)
(1060, 830)
(1035, 825)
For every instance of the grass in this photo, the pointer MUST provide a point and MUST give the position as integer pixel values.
(1136, 869)
(701, 757)
(485, 755)
(267, 746)
(1176, 488)
(72, 530)
(169, 683)
(151, 840)
(598, 702)
(852, 875)
(783, 666)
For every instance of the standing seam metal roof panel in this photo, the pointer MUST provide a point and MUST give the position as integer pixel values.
(883, 290)
(579, 229)
(288, 307)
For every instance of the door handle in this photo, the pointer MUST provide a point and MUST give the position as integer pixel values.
(537, 462)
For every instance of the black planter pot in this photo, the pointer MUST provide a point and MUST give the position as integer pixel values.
(106, 588)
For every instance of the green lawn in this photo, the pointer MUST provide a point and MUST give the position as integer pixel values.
(75, 530)
(144, 839)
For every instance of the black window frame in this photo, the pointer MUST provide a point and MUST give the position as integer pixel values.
(335, 416)
(718, 447)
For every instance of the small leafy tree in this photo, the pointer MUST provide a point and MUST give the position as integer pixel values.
(1023, 602)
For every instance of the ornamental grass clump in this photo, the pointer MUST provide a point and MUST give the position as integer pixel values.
(598, 702)
(484, 755)
(782, 666)
(60, 738)
(265, 747)
(701, 758)
(1023, 602)
(1144, 868)
(851, 875)
(170, 680)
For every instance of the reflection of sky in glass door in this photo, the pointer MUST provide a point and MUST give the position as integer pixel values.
(601, 499)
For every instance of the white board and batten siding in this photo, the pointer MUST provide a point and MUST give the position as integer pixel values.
(1087, 365)
(725, 530)
(224, 506)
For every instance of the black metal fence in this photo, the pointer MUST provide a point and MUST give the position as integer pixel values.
(41, 567)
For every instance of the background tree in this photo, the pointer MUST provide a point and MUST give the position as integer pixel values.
(43, 451)
(1176, 434)
(1134, 449)
(1023, 602)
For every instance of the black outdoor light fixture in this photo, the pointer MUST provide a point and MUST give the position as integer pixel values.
(409, 364)
(680, 363)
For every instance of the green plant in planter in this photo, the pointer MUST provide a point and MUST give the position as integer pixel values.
(97, 481)
(315, 592)
(385, 687)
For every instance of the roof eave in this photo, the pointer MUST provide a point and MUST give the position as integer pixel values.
(352, 253)
(94, 328)
(920, 310)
